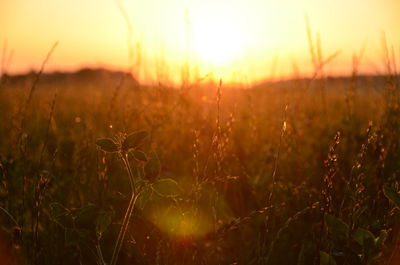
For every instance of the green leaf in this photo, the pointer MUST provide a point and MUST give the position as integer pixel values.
(380, 240)
(107, 145)
(140, 173)
(326, 259)
(133, 140)
(103, 220)
(60, 215)
(167, 188)
(85, 217)
(153, 167)
(71, 237)
(139, 155)
(361, 235)
(392, 195)
(336, 226)
(144, 198)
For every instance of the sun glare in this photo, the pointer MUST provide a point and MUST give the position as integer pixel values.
(236, 40)
(217, 40)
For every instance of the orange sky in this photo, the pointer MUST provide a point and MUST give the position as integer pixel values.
(237, 40)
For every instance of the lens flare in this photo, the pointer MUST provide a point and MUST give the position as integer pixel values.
(182, 223)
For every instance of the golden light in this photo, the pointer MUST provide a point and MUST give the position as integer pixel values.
(228, 38)
(218, 39)
(181, 223)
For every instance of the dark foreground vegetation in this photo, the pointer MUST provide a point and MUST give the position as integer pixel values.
(300, 172)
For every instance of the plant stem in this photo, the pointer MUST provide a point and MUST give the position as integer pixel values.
(124, 159)
(128, 213)
(100, 255)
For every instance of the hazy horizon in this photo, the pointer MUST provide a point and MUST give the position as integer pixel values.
(233, 40)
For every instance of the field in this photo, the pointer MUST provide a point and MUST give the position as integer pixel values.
(97, 169)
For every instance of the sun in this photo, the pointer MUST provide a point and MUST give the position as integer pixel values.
(218, 39)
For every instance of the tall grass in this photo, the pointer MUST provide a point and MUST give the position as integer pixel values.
(299, 172)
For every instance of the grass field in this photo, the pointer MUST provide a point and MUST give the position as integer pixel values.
(97, 169)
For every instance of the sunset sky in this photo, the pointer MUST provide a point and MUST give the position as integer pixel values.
(232, 39)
